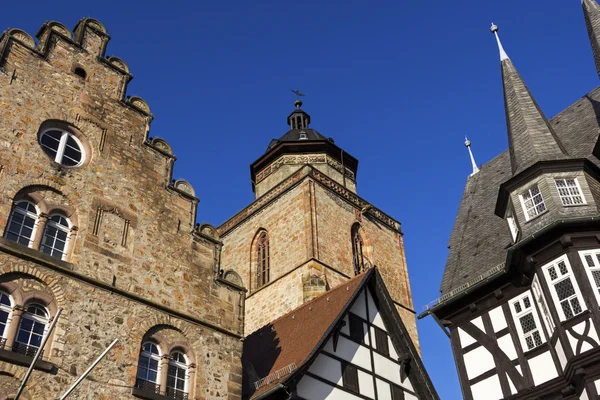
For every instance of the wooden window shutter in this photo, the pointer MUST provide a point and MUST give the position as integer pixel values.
(357, 331)
(397, 393)
(350, 377)
(381, 341)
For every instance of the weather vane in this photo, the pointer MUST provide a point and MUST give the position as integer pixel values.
(298, 93)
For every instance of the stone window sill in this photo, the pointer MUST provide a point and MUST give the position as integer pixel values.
(25, 361)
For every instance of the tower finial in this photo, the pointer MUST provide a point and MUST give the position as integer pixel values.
(468, 146)
(494, 30)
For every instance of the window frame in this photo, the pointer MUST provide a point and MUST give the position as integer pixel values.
(382, 344)
(179, 365)
(570, 196)
(25, 214)
(595, 254)
(29, 316)
(150, 356)
(60, 150)
(350, 377)
(354, 321)
(53, 224)
(524, 206)
(517, 315)
(552, 283)
(9, 311)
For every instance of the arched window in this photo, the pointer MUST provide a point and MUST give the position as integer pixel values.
(358, 259)
(56, 236)
(63, 147)
(31, 330)
(22, 223)
(5, 311)
(148, 368)
(177, 376)
(262, 260)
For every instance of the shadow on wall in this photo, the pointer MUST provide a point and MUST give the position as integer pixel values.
(261, 351)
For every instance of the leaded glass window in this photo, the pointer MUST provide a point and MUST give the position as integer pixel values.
(56, 236)
(63, 147)
(527, 322)
(533, 202)
(22, 223)
(591, 260)
(564, 289)
(569, 192)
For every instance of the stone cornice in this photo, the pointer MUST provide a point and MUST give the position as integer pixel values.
(301, 159)
(293, 180)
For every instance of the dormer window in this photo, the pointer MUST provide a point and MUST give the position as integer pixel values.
(533, 202)
(569, 192)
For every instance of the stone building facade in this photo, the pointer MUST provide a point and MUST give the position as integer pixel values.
(76, 165)
(88, 203)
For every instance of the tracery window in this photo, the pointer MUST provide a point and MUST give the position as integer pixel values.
(564, 289)
(262, 264)
(527, 321)
(148, 368)
(62, 147)
(177, 376)
(31, 329)
(358, 259)
(22, 223)
(56, 236)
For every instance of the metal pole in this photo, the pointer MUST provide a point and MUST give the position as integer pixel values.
(38, 354)
(87, 372)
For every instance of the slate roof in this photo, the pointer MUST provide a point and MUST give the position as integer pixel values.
(294, 135)
(295, 336)
(591, 12)
(479, 237)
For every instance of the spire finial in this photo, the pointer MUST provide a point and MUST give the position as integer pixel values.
(473, 163)
(494, 30)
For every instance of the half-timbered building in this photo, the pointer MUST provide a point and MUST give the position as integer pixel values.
(521, 289)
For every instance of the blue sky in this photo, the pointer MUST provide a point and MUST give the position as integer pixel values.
(397, 84)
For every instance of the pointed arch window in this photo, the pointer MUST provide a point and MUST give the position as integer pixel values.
(177, 376)
(148, 368)
(358, 259)
(31, 329)
(56, 236)
(22, 223)
(262, 260)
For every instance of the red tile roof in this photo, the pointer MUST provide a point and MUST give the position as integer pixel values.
(292, 338)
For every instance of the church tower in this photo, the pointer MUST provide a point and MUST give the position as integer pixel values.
(521, 289)
(308, 230)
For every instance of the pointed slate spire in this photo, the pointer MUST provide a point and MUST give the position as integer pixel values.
(530, 136)
(591, 12)
(473, 163)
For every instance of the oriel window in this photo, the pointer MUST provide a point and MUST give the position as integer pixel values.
(358, 259)
(262, 264)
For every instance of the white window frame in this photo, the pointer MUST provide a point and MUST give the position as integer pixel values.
(534, 208)
(52, 224)
(590, 269)
(185, 367)
(570, 195)
(25, 214)
(517, 315)
(561, 277)
(150, 356)
(540, 298)
(9, 310)
(27, 315)
(60, 151)
(512, 225)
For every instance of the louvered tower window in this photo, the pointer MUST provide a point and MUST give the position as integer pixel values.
(358, 259)
(262, 265)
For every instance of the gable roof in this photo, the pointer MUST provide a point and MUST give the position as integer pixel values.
(284, 348)
(479, 238)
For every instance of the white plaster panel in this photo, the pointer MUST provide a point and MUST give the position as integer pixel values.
(584, 396)
(487, 389)
(393, 353)
(312, 389)
(478, 322)
(542, 368)
(465, 338)
(387, 369)
(359, 307)
(408, 396)
(478, 361)
(597, 384)
(580, 328)
(507, 346)
(351, 352)
(374, 315)
(346, 328)
(513, 390)
(365, 384)
(384, 391)
(560, 352)
(327, 368)
(498, 319)
(407, 384)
